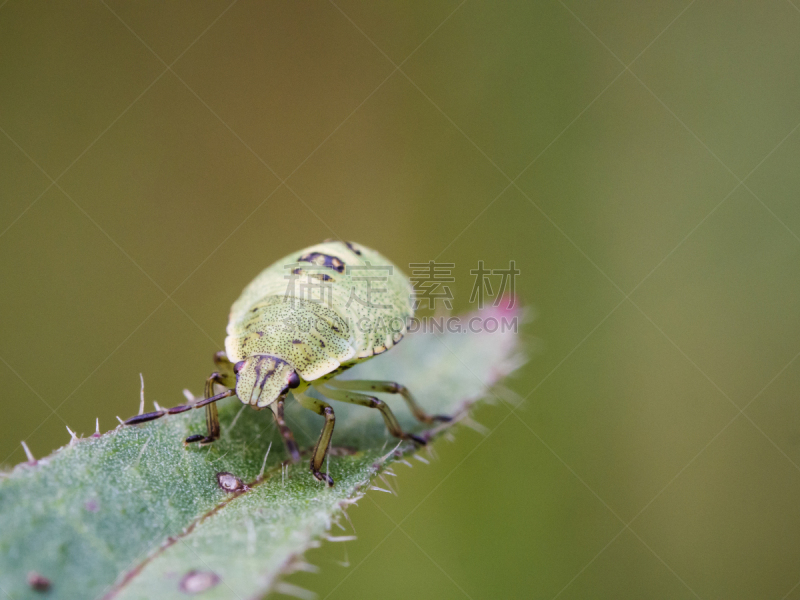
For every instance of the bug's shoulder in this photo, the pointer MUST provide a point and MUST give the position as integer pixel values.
(309, 336)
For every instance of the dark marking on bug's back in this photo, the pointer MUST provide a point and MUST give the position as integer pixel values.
(297, 342)
(353, 248)
(323, 260)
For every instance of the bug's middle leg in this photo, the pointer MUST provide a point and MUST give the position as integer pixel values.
(324, 441)
(388, 387)
(392, 424)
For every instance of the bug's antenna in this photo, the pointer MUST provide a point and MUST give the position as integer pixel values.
(225, 394)
(141, 395)
(141, 418)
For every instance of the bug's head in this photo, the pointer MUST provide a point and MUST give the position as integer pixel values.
(262, 379)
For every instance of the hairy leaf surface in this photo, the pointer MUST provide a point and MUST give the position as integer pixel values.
(135, 514)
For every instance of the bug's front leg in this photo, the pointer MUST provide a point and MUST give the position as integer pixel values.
(324, 441)
(388, 387)
(212, 417)
(224, 376)
(288, 437)
(392, 424)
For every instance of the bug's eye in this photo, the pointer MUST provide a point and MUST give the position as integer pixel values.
(238, 366)
(294, 380)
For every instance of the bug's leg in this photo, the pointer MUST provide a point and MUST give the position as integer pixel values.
(324, 441)
(212, 418)
(389, 387)
(371, 402)
(288, 437)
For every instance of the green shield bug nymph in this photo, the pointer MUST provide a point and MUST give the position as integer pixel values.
(299, 324)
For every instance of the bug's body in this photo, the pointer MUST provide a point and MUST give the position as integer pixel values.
(301, 322)
(318, 318)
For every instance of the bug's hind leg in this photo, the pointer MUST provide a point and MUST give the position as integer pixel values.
(288, 437)
(212, 417)
(371, 402)
(324, 442)
(388, 387)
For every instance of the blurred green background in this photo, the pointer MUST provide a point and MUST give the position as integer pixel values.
(639, 162)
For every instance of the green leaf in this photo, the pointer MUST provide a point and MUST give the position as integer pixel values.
(135, 514)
